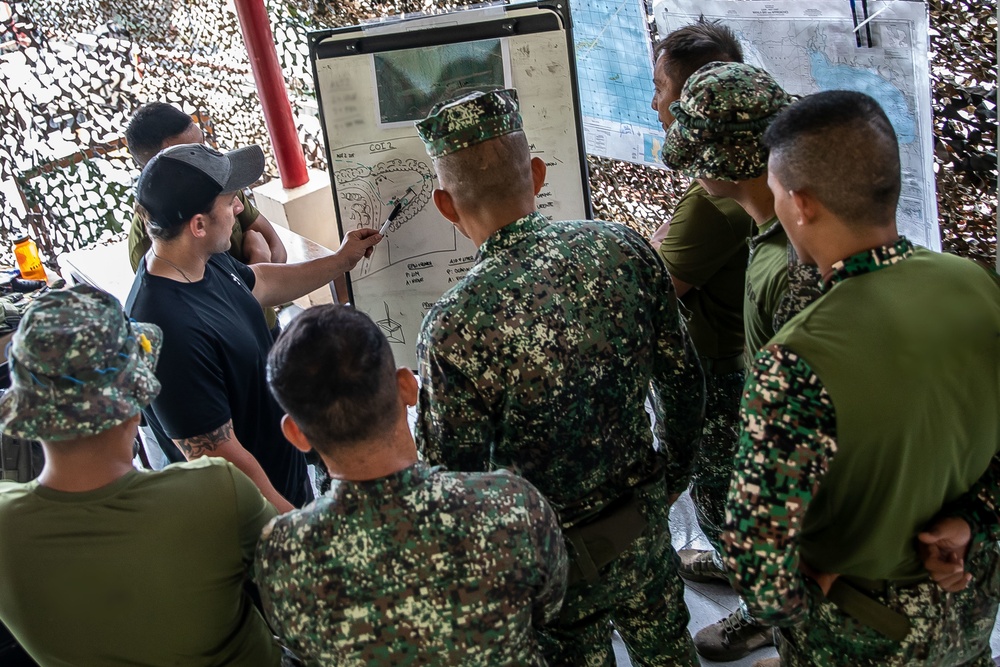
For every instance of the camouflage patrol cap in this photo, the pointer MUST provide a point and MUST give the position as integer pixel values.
(721, 116)
(469, 120)
(78, 367)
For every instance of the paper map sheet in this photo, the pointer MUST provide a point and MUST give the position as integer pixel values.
(810, 45)
(615, 76)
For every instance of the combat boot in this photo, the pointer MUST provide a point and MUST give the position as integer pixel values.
(733, 637)
(701, 567)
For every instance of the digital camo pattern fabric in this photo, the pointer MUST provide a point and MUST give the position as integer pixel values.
(541, 359)
(787, 440)
(947, 629)
(640, 592)
(713, 466)
(804, 287)
(721, 116)
(423, 567)
(866, 262)
(469, 120)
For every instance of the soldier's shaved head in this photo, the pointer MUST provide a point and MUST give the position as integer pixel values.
(333, 372)
(488, 173)
(840, 147)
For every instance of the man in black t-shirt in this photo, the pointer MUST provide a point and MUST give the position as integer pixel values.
(215, 400)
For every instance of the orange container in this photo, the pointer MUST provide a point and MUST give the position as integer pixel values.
(28, 260)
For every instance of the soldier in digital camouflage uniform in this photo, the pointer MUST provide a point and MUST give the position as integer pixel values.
(721, 116)
(400, 563)
(540, 361)
(868, 419)
(704, 247)
(101, 564)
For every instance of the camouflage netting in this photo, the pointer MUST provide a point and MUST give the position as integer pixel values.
(72, 73)
(963, 73)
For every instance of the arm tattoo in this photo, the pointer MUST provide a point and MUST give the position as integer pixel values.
(206, 444)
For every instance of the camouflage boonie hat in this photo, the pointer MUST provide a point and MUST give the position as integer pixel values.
(78, 367)
(469, 120)
(721, 116)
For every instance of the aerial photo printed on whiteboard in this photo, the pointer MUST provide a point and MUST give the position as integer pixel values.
(411, 81)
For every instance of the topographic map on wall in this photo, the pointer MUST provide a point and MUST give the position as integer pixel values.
(811, 45)
(615, 77)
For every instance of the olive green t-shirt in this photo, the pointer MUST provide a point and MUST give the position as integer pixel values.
(706, 247)
(148, 570)
(139, 243)
(766, 285)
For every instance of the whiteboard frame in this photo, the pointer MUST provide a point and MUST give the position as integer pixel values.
(465, 25)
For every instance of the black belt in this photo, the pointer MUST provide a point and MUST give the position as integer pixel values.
(852, 595)
(609, 533)
(722, 366)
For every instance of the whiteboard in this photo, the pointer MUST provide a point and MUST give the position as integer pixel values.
(377, 159)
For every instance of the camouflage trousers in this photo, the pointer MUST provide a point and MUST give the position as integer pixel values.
(947, 629)
(640, 593)
(713, 465)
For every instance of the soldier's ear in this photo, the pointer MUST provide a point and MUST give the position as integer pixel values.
(446, 205)
(809, 208)
(406, 381)
(294, 434)
(538, 171)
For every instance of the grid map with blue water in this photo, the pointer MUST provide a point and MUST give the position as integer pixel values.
(615, 72)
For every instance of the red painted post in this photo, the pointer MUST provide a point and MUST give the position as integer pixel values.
(271, 89)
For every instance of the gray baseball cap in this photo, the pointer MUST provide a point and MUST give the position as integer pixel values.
(183, 180)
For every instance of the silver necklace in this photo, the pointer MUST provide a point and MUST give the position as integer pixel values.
(179, 269)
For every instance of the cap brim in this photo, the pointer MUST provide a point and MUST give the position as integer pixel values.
(246, 165)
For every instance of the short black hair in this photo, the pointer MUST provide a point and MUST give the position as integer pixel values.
(489, 172)
(153, 229)
(150, 126)
(688, 49)
(333, 372)
(840, 146)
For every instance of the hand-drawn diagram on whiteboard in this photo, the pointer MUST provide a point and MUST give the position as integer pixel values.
(392, 329)
(615, 73)
(368, 195)
(809, 45)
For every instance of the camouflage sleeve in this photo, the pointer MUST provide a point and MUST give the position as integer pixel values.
(453, 426)
(678, 395)
(786, 444)
(980, 506)
(267, 581)
(803, 288)
(553, 562)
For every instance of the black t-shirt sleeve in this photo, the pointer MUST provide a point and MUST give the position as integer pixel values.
(245, 273)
